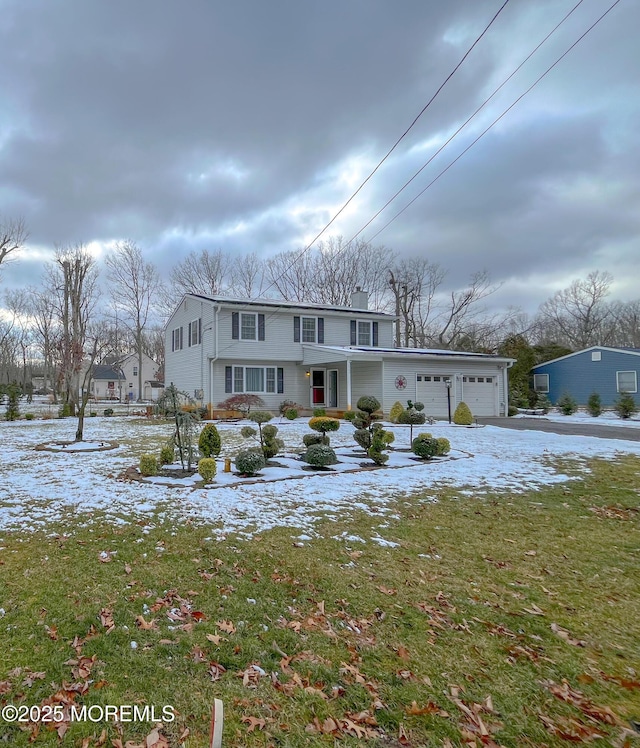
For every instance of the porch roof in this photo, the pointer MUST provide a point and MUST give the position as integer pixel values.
(326, 354)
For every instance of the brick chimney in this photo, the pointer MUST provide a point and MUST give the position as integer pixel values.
(360, 299)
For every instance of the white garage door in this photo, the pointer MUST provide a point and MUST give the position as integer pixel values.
(432, 391)
(479, 393)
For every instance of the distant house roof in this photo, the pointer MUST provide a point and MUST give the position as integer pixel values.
(103, 371)
(630, 351)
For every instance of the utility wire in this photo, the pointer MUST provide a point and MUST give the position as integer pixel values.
(484, 132)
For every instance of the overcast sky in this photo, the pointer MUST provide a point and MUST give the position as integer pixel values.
(245, 126)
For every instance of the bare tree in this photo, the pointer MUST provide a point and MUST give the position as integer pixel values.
(42, 314)
(414, 283)
(247, 276)
(13, 235)
(206, 273)
(97, 341)
(578, 316)
(134, 287)
(626, 323)
(72, 288)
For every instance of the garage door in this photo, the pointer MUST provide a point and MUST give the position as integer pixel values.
(479, 393)
(432, 391)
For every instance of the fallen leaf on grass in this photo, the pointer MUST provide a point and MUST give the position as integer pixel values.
(534, 610)
(146, 625)
(564, 692)
(127, 569)
(564, 634)
(568, 728)
(428, 708)
(531, 553)
(254, 723)
(226, 626)
(386, 590)
(106, 619)
(216, 639)
(216, 670)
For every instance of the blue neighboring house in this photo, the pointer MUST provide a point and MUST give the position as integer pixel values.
(607, 371)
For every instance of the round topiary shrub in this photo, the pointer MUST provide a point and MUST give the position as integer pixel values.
(260, 416)
(207, 469)
(319, 412)
(93, 414)
(28, 416)
(363, 438)
(108, 411)
(210, 442)
(291, 414)
(462, 415)
(324, 425)
(247, 432)
(349, 415)
(249, 462)
(418, 406)
(396, 409)
(309, 439)
(320, 456)
(167, 454)
(444, 447)
(424, 446)
(148, 465)
(368, 403)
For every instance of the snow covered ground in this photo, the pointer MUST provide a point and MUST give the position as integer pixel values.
(39, 487)
(608, 418)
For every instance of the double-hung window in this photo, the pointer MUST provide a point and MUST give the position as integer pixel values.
(364, 332)
(176, 339)
(308, 329)
(195, 332)
(247, 326)
(254, 379)
(627, 381)
(541, 382)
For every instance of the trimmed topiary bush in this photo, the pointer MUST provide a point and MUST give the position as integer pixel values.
(462, 415)
(247, 432)
(380, 440)
(324, 425)
(412, 417)
(350, 415)
(207, 469)
(249, 462)
(444, 447)
(368, 404)
(291, 414)
(309, 439)
(625, 406)
(319, 412)
(28, 416)
(107, 412)
(167, 454)
(396, 409)
(424, 446)
(567, 405)
(363, 438)
(210, 442)
(148, 465)
(93, 414)
(320, 456)
(594, 405)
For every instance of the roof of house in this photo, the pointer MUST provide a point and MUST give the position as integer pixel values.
(347, 351)
(281, 303)
(629, 351)
(103, 371)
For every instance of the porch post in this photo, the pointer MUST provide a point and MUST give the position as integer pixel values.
(348, 384)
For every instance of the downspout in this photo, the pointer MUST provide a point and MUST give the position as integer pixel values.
(505, 384)
(348, 383)
(215, 353)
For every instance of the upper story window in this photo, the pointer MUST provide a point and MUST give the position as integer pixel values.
(195, 332)
(364, 332)
(176, 339)
(135, 371)
(626, 381)
(541, 382)
(247, 326)
(308, 329)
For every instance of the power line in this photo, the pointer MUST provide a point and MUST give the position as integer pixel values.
(484, 132)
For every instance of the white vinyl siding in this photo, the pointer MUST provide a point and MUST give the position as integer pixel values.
(627, 381)
(541, 383)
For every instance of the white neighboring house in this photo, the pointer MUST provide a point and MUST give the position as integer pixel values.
(319, 355)
(117, 379)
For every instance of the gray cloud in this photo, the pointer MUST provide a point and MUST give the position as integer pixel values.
(186, 126)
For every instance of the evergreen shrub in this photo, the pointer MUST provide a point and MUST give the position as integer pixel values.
(167, 454)
(425, 446)
(625, 406)
(148, 465)
(291, 414)
(567, 405)
(209, 442)
(396, 409)
(249, 462)
(462, 415)
(207, 469)
(594, 405)
(320, 455)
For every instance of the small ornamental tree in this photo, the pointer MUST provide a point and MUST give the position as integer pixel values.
(462, 415)
(242, 403)
(380, 440)
(567, 405)
(209, 442)
(542, 402)
(177, 406)
(412, 416)
(13, 392)
(364, 420)
(594, 405)
(625, 406)
(324, 425)
(320, 456)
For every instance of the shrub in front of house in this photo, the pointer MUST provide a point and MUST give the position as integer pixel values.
(148, 465)
(567, 405)
(324, 425)
(380, 440)
(209, 442)
(64, 411)
(319, 412)
(396, 410)
(108, 412)
(291, 414)
(594, 405)
(271, 445)
(28, 416)
(350, 415)
(462, 415)
(207, 469)
(444, 446)
(309, 439)
(425, 446)
(286, 405)
(625, 406)
(412, 416)
(364, 420)
(242, 403)
(513, 411)
(93, 414)
(320, 456)
(167, 454)
(249, 462)
(247, 432)
(543, 403)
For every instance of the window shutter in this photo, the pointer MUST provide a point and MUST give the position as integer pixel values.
(261, 327)
(296, 329)
(354, 334)
(320, 329)
(189, 335)
(200, 330)
(280, 380)
(173, 340)
(228, 379)
(235, 325)
(374, 336)
(181, 341)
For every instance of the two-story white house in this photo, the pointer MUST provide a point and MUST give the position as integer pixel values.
(318, 355)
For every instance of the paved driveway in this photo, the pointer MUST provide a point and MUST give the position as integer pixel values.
(572, 429)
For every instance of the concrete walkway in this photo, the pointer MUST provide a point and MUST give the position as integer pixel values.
(540, 423)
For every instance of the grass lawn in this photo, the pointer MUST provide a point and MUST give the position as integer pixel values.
(508, 620)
